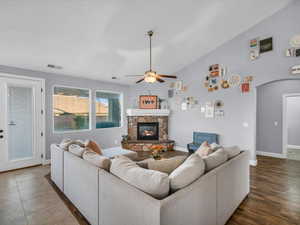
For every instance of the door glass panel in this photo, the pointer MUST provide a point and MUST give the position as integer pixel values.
(20, 123)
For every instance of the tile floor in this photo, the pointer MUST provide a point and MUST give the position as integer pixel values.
(293, 154)
(26, 198)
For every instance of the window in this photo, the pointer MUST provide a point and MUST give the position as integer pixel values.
(71, 109)
(108, 109)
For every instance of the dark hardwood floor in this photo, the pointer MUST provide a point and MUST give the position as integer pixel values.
(274, 198)
(275, 194)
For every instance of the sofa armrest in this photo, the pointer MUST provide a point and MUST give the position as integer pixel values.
(57, 166)
(121, 203)
(192, 205)
(81, 186)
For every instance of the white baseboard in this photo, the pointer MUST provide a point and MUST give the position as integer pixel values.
(46, 162)
(270, 154)
(294, 146)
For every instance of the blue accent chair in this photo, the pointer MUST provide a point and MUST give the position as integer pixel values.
(199, 138)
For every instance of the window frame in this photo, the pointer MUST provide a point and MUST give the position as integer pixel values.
(121, 109)
(90, 110)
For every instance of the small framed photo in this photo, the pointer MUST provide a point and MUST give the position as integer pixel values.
(148, 102)
(266, 45)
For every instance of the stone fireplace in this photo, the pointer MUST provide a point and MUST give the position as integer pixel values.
(147, 128)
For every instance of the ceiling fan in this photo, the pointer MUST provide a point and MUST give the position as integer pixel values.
(151, 76)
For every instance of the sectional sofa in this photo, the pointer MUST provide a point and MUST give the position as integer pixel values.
(105, 199)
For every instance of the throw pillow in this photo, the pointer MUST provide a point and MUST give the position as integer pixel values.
(76, 149)
(65, 143)
(189, 171)
(96, 159)
(204, 149)
(163, 165)
(93, 146)
(154, 183)
(232, 151)
(215, 159)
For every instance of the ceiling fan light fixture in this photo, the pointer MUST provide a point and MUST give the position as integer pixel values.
(150, 79)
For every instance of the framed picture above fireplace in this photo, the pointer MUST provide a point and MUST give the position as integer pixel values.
(148, 101)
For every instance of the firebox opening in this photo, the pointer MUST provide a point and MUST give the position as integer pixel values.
(147, 131)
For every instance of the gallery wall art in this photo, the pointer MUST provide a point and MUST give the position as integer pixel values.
(259, 46)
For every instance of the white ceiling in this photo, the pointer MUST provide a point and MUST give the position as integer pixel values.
(99, 39)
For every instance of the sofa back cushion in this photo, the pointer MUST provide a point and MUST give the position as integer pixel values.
(232, 151)
(189, 171)
(215, 159)
(154, 183)
(96, 159)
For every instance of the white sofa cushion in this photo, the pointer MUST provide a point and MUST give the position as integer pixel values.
(76, 150)
(154, 183)
(214, 146)
(189, 171)
(96, 159)
(232, 151)
(215, 159)
(116, 151)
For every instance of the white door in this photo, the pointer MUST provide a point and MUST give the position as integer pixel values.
(21, 118)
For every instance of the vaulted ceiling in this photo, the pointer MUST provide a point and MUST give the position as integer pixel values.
(99, 39)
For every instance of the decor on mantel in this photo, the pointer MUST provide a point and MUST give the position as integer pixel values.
(148, 102)
(151, 76)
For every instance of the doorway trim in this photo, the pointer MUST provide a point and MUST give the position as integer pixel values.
(284, 122)
(43, 99)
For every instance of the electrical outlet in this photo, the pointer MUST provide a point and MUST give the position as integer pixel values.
(116, 142)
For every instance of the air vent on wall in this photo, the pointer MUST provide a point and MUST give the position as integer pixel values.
(52, 66)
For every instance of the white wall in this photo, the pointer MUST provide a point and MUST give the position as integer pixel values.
(239, 109)
(293, 120)
(107, 137)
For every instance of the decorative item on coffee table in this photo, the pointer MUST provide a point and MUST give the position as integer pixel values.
(156, 151)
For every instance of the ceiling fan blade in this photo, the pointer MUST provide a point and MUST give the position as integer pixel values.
(134, 75)
(159, 80)
(167, 76)
(139, 81)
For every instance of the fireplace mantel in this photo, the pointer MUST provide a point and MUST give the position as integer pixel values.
(148, 112)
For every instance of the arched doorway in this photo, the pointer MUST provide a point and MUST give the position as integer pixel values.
(271, 123)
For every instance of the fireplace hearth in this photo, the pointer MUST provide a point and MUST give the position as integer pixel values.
(148, 131)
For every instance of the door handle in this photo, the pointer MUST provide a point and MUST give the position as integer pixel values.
(12, 124)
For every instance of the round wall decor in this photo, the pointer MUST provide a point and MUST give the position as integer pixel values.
(295, 41)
